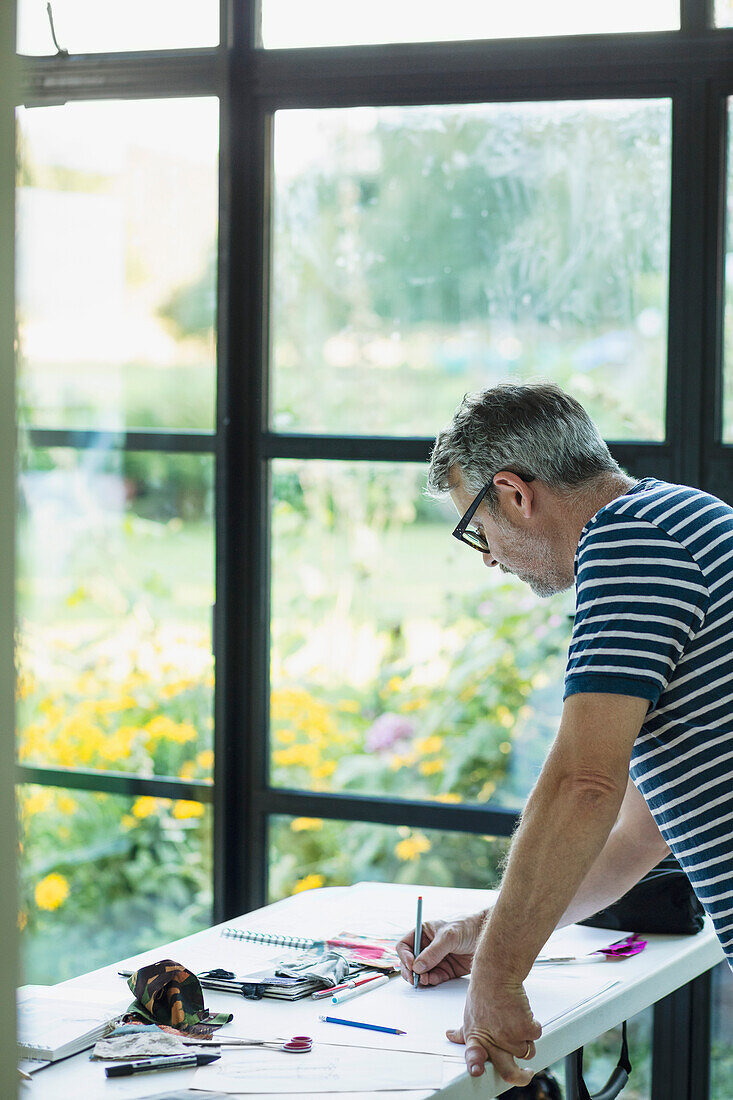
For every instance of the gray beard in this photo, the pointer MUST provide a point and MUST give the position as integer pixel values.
(542, 586)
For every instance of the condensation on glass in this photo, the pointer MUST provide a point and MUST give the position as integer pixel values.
(307, 853)
(423, 252)
(116, 264)
(114, 593)
(401, 666)
(105, 876)
(94, 26)
(293, 23)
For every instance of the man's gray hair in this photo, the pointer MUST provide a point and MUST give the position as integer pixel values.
(535, 430)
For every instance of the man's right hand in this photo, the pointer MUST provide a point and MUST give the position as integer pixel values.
(447, 949)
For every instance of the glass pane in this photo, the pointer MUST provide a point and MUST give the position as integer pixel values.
(104, 876)
(723, 18)
(721, 1063)
(601, 1055)
(115, 588)
(92, 26)
(728, 319)
(401, 666)
(307, 852)
(421, 252)
(116, 270)
(334, 23)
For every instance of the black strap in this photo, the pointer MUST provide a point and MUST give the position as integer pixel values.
(615, 1083)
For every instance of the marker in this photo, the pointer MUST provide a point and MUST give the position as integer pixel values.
(355, 1023)
(362, 987)
(150, 1065)
(418, 940)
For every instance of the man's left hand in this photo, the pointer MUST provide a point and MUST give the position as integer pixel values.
(498, 1026)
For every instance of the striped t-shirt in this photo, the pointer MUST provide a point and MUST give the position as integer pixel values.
(654, 619)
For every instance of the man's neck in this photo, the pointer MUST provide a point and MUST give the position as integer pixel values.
(591, 500)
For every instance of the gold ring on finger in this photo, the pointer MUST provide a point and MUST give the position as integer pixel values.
(525, 1056)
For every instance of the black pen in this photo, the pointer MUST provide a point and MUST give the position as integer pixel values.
(165, 1061)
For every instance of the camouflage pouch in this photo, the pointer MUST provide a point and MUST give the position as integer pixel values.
(168, 994)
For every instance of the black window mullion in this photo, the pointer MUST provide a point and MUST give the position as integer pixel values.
(489, 819)
(147, 75)
(718, 457)
(582, 66)
(686, 265)
(242, 569)
(696, 15)
(183, 442)
(120, 783)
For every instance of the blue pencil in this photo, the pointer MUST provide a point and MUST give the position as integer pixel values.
(369, 1027)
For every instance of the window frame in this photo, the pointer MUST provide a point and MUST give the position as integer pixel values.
(691, 66)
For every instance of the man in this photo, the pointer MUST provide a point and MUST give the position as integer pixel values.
(649, 691)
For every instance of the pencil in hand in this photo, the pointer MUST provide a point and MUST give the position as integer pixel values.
(418, 940)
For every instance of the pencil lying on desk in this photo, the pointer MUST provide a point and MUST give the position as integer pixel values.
(361, 987)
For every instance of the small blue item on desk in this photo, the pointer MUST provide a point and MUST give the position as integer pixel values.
(150, 1065)
(355, 1023)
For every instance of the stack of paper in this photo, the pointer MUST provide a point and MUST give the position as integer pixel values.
(50, 1028)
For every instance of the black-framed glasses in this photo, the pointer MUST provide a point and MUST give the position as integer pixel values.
(471, 535)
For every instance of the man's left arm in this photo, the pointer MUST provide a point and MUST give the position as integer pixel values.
(563, 828)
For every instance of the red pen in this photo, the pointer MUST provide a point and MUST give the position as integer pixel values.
(344, 985)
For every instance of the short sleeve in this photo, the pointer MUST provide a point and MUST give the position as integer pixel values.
(640, 600)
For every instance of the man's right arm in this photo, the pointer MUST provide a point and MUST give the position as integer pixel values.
(634, 846)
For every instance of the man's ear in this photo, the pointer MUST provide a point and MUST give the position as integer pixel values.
(515, 495)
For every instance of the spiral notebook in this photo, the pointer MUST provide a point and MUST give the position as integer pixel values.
(377, 953)
(50, 1028)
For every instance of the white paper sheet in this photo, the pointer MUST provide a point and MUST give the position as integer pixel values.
(325, 1069)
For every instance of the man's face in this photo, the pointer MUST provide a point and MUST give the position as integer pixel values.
(517, 549)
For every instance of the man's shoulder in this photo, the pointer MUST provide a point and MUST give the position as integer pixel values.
(658, 509)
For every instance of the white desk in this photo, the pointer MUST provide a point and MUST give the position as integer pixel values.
(666, 964)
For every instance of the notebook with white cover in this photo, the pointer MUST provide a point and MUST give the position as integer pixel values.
(50, 1027)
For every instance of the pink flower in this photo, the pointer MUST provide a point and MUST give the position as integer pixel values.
(387, 730)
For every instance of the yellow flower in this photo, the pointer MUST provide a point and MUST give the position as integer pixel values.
(66, 804)
(412, 847)
(175, 687)
(349, 705)
(431, 767)
(51, 892)
(447, 796)
(285, 737)
(486, 791)
(184, 809)
(128, 821)
(38, 802)
(412, 704)
(428, 745)
(505, 716)
(187, 770)
(22, 919)
(306, 824)
(328, 767)
(394, 683)
(163, 727)
(205, 759)
(144, 806)
(309, 882)
(25, 685)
